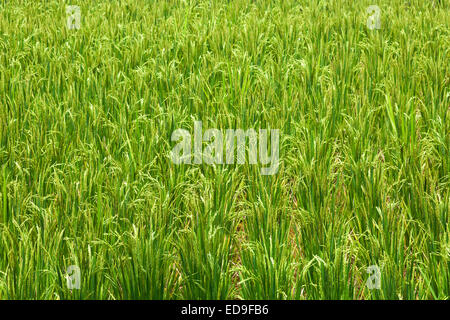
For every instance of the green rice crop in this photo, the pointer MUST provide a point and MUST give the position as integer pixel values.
(86, 118)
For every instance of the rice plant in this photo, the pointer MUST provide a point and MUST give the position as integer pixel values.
(87, 110)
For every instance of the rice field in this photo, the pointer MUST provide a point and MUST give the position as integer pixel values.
(93, 207)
